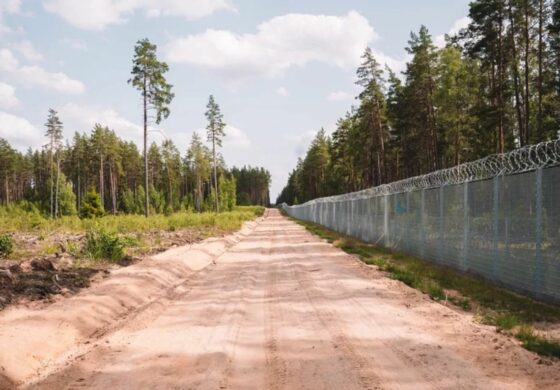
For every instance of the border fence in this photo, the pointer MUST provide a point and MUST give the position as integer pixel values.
(498, 217)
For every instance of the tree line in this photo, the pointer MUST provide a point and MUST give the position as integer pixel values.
(61, 178)
(98, 172)
(494, 87)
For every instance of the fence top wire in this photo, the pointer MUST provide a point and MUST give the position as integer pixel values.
(525, 159)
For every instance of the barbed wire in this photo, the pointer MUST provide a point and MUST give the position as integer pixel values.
(527, 158)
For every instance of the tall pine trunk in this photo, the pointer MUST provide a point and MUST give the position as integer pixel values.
(7, 188)
(170, 197)
(527, 79)
(500, 130)
(79, 192)
(215, 172)
(515, 68)
(540, 135)
(381, 140)
(101, 181)
(57, 186)
(147, 195)
(112, 182)
(51, 164)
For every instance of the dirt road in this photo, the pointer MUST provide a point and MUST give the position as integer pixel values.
(282, 309)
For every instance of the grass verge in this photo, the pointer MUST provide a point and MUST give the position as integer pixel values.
(511, 313)
(27, 234)
(14, 220)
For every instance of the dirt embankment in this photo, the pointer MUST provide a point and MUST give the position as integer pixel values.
(33, 339)
(45, 269)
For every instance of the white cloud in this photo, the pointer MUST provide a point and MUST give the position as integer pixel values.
(82, 117)
(338, 96)
(26, 49)
(19, 132)
(282, 91)
(98, 14)
(76, 44)
(236, 138)
(35, 75)
(301, 141)
(189, 9)
(8, 7)
(8, 97)
(396, 65)
(7, 61)
(279, 43)
(458, 25)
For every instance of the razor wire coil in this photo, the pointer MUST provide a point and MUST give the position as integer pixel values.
(527, 158)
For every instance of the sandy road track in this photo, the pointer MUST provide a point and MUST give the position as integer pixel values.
(283, 310)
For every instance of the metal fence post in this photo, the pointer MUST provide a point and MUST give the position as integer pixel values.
(441, 224)
(407, 223)
(422, 223)
(466, 227)
(386, 220)
(495, 225)
(537, 277)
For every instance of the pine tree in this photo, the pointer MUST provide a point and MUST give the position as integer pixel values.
(171, 159)
(455, 99)
(148, 78)
(198, 163)
(215, 133)
(372, 108)
(54, 134)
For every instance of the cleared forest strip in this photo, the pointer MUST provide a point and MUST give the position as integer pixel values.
(51, 335)
(49, 258)
(283, 309)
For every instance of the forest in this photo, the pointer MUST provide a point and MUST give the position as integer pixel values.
(494, 87)
(99, 173)
(103, 167)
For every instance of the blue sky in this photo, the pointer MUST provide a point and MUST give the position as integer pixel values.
(280, 70)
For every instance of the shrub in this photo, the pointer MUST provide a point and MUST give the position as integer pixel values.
(103, 245)
(507, 321)
(6, 245)
(66, 197)
(91, 205)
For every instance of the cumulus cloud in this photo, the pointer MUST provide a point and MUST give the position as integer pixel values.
(73, 43)
(279, 43)
(27, 50)
(58, 81)
(37, 76)
(19, 131)
(282, 91)
(8, 97)
(301, 141)
(7, 61)
(338, 96)
(8, 7)
(98, 14)
(458, 25)
(236, 138)
(82, 117)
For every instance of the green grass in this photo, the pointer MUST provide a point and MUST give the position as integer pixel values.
(495, 306)
(536, 343)
(14, 219)
(6, 245)
(111, 237)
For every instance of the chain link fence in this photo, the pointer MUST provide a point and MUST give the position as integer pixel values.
(498, 217)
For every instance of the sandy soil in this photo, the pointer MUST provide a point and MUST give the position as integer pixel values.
(277, 309)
